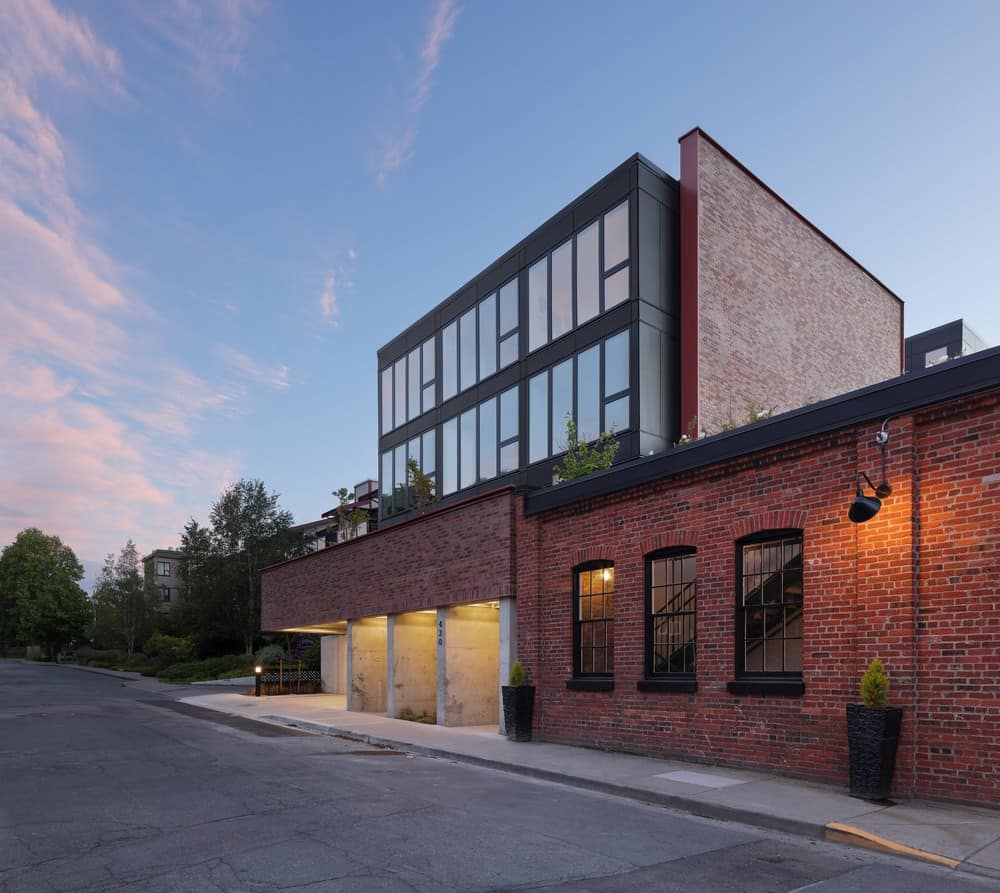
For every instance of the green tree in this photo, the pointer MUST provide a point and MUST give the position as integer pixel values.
(584, 458)
(41, 601)
(222, 563)
(350, 516)
(422, 485)
(124, 603)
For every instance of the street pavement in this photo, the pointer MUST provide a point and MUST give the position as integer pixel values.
(961, 837)
(111, 783)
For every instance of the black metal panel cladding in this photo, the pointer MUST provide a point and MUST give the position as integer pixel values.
(963, 377)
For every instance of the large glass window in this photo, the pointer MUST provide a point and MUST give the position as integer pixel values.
(407, 387)
(399, 391)
(413, 383)
(481, 443)
(588, 394)
(397, 491)
(672, 602)
(538, 417)
(594, 620)
(467, 349)
(509, 327)
(488, 439)
(769, 606)
(487, 337)
(587, 277)
(599, 402)
(562, 403)
(509, 415)
(562, 290)
(580, 279)
(483, 340)
(428, 375)
(449, 361)
(449, 456)
(386, 391)
(538, 304)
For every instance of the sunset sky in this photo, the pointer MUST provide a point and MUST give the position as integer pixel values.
(213, 213)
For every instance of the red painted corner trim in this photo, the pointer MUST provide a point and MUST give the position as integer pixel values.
(689, 281)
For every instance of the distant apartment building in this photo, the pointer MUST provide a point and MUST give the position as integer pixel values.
(162, 568)
(940, 344)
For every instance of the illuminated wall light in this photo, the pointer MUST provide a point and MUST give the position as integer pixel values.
(864, 508)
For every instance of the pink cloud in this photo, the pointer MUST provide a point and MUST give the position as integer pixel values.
(207, 39)
(399, 149)
(98, 419)
(273, 376)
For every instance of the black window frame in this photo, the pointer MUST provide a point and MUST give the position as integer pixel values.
(163, 569)
(667, 680)
(593, 680)
(785, 682)
(164, 594)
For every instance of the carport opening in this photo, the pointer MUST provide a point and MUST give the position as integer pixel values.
(468, 667)
(414, 654)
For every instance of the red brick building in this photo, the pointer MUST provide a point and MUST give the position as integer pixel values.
(708, 600)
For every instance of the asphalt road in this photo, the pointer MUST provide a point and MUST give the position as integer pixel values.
(106, 785)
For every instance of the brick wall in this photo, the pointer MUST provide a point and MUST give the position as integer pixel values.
(917, 586)
(460, 554)
(784, 318)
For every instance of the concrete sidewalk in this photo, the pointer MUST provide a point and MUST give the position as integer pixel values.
(963, 838)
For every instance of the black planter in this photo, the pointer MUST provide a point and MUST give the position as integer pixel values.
(872, 738)
(518, 710)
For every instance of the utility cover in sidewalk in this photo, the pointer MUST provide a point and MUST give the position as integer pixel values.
(702, 779)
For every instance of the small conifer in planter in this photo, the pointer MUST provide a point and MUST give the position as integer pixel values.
(873, 736)
(518, 705)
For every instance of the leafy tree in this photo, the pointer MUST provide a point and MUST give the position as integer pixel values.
(350, 516)
(584, 458)
(41, 601)
(222, 563)
(124, 602)
(422, 485)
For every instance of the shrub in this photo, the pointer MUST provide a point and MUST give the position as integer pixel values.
(517, 674)
(875, 685)
(311, 657)
(206, 670)
(170, 649)
(584, 458)
(269, 654)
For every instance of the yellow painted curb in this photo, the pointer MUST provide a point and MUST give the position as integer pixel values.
(848, 833)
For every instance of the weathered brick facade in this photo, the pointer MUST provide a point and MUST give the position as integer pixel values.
(774, 313)
(461, 554)
(918, 586)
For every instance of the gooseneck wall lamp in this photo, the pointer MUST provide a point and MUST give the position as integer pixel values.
(864, 508)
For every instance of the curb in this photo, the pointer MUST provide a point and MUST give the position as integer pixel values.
(692, 807)
(841, 833)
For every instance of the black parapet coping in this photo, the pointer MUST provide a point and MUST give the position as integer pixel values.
(950, 381)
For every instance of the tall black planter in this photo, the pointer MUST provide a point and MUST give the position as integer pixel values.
(518, 710)
(872, 738)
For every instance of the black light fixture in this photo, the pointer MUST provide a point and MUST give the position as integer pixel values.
(864, 508)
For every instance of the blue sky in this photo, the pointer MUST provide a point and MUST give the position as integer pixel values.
(213, 213)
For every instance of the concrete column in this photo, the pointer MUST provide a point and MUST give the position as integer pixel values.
(508, 647)
(367, 665)
(412, 655)
(468, 659)
(333, 664)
